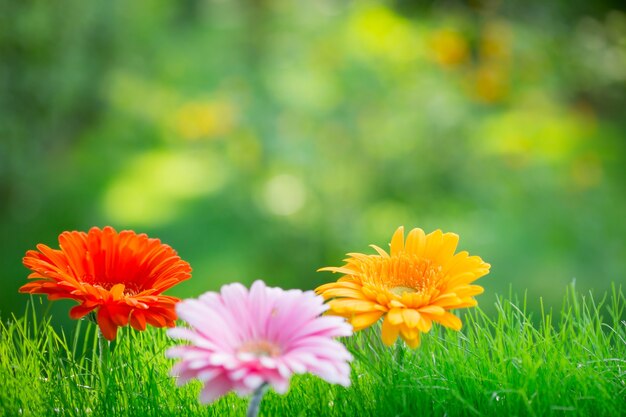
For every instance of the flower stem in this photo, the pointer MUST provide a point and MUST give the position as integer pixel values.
(400, 350)
(105, 350)
(255, 402)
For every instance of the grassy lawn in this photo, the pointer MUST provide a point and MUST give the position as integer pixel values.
(572, 362)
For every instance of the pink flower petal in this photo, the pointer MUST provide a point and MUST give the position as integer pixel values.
(216, 389)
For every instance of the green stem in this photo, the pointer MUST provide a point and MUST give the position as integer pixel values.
(255, 402)
(105, 351)
(400, 350)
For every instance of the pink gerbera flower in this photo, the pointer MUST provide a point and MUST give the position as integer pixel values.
(242, 340)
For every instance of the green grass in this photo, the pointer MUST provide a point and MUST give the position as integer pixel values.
(570, 363)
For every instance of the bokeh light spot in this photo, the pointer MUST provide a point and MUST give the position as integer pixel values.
(155, 185)
(284, 194)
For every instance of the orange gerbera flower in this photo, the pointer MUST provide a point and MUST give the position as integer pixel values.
(121, 275)
(416, 284)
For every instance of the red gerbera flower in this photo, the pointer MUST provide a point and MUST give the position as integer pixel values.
(121, 275)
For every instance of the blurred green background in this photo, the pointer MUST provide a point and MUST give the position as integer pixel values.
(267, 138)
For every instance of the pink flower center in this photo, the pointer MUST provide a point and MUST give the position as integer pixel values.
(260, 348)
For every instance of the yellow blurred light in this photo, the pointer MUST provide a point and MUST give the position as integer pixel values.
(204, 119)
(449, 48)
(379, 32)
(496, 40)
(284, 194)
(538, 131)
(155, 185)
(491, 83)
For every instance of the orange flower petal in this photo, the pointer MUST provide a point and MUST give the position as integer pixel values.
(345, 271)
(411, 317)
(344, 292)
(138, 320)
(415, 242)
(117, 291)
(157, 320)
(446, 300)
(434, 241)
(447, 248)
(424, 324)
(467, 302)
(79, 311)
(389, 332)
(361, 321)
(348, 305)
(449, 320)
(468, 291)
(413, 343)
(397, 241)
(394, 316)
(380, 251)
(408, 333)
(461, 279)
(107, 327)
(432, 309)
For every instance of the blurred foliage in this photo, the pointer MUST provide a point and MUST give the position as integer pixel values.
(266, 138)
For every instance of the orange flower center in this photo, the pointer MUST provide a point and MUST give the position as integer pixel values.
(130, 288)
(260, 348)
(401, 273)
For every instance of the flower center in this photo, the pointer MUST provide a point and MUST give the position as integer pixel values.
(260, 348)
(130, 288)
(401, 290)
(402, 273)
